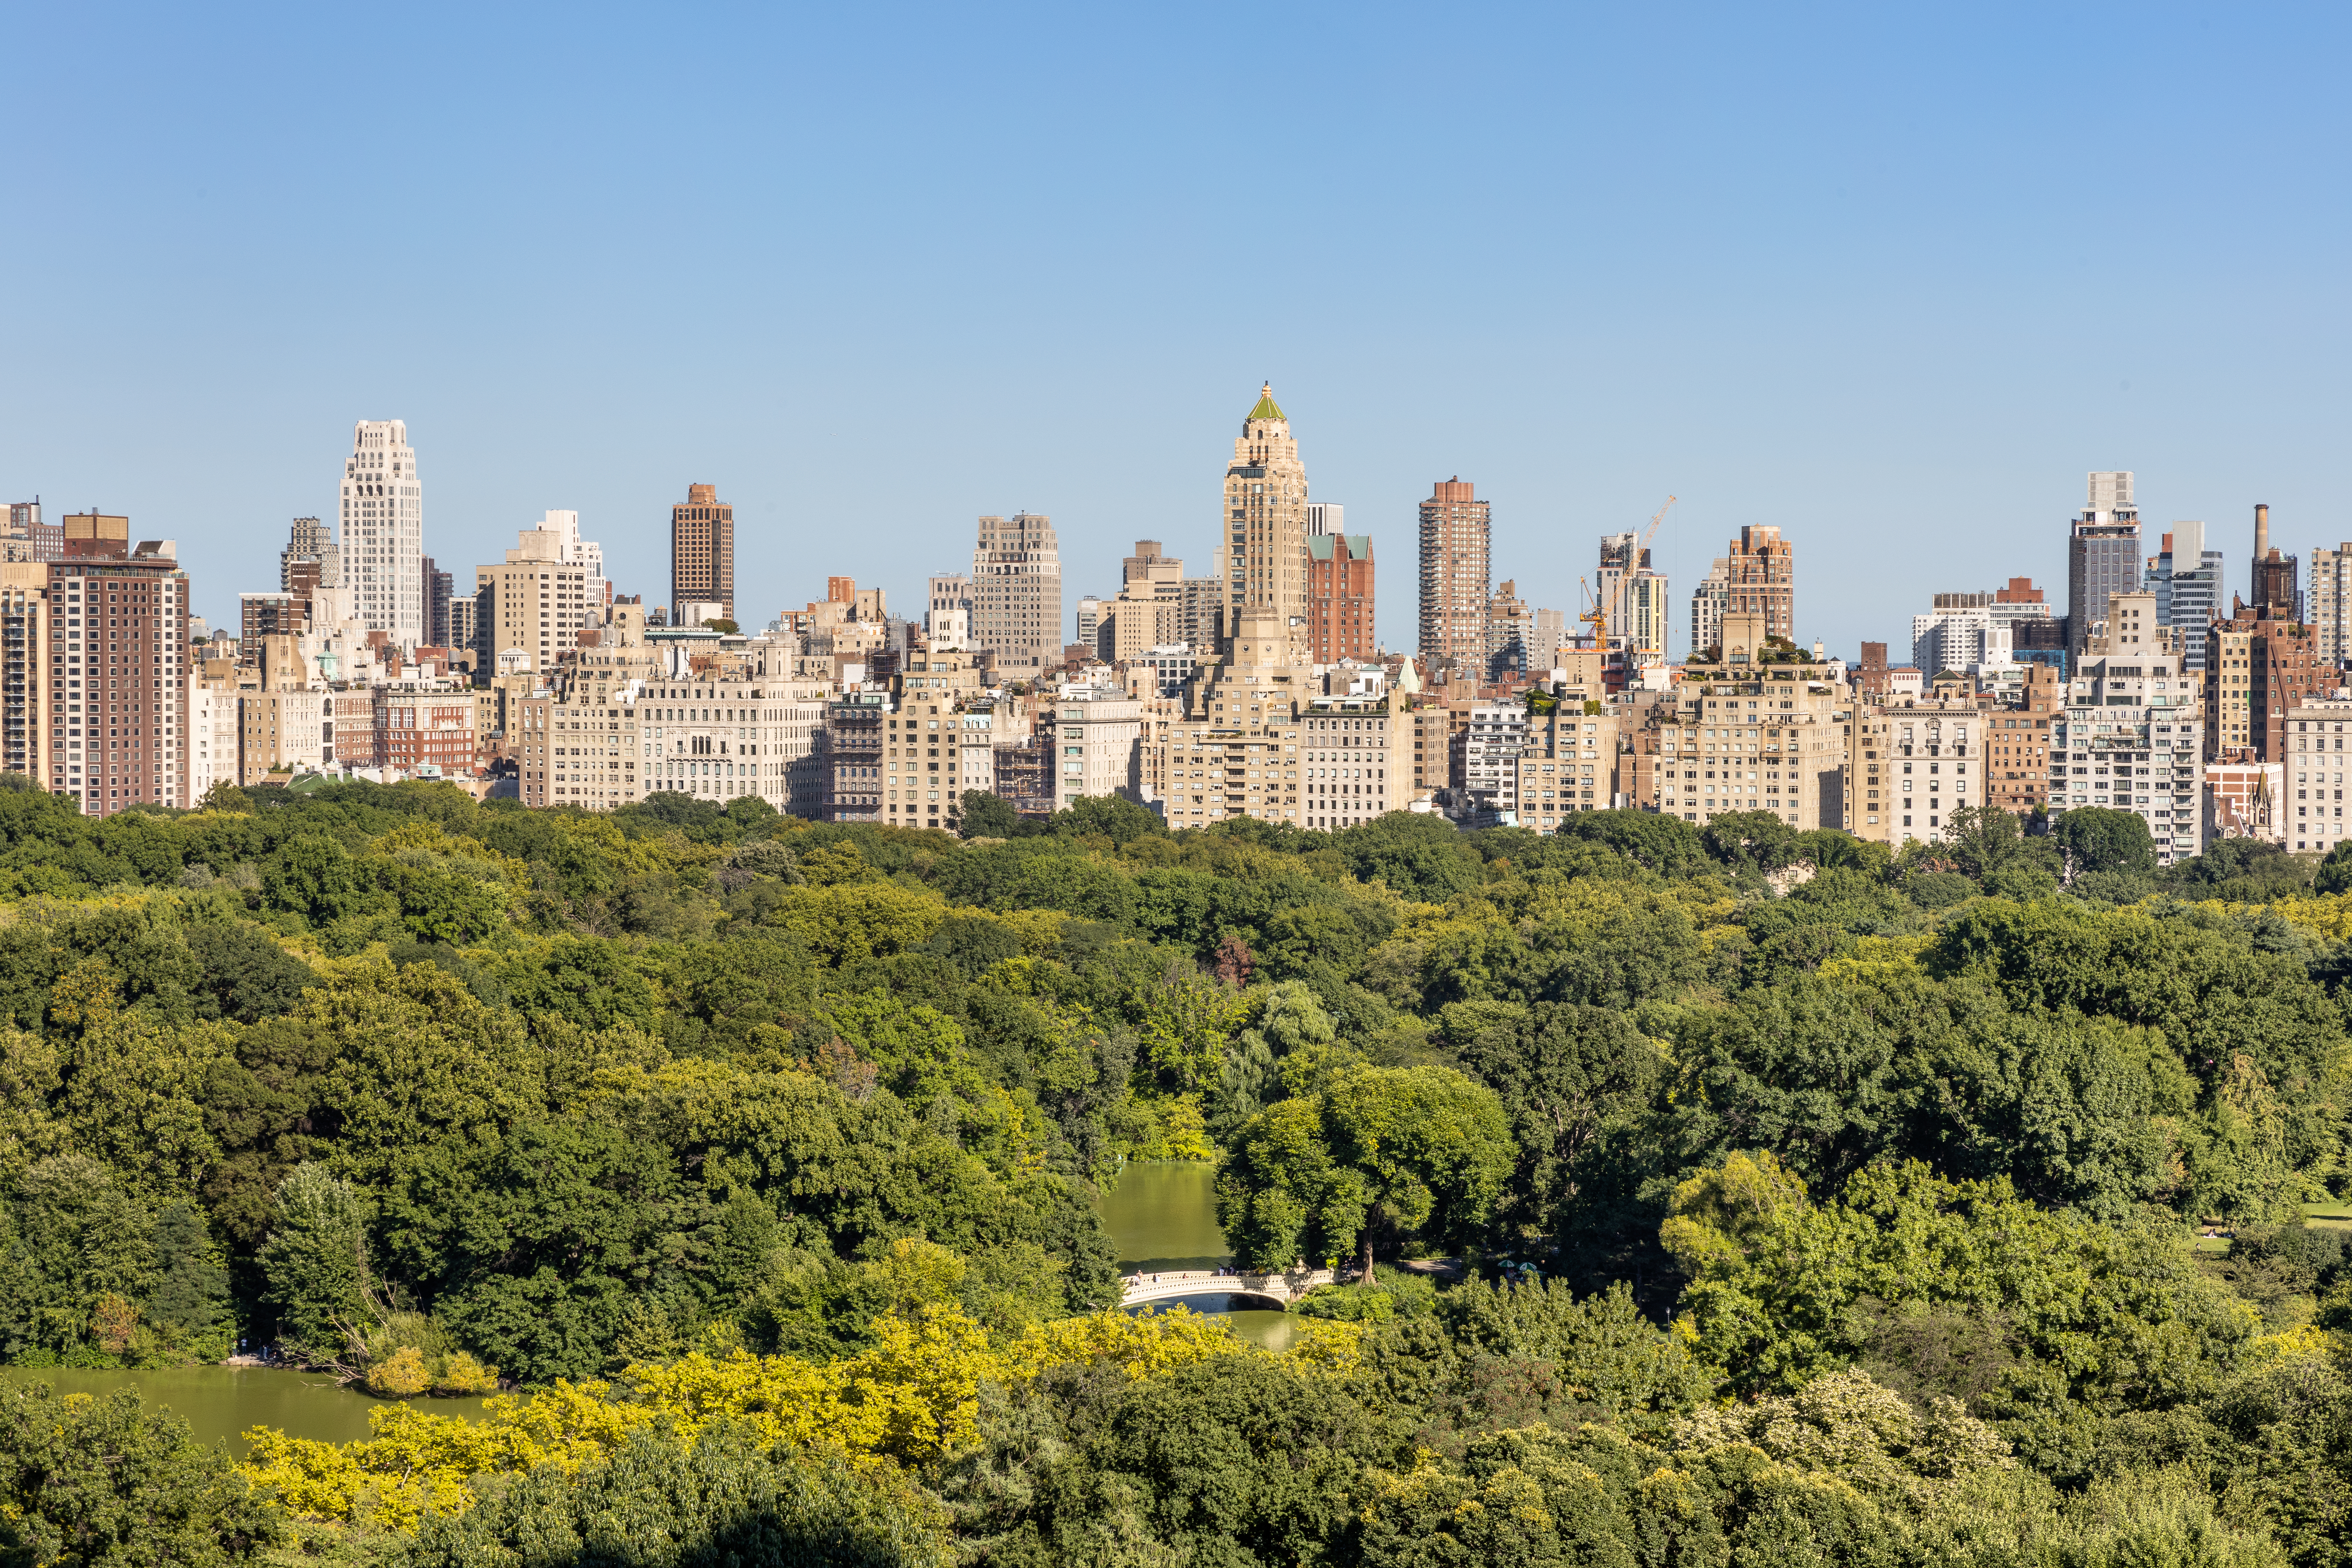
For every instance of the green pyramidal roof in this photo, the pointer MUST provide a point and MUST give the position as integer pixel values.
(1268, 408)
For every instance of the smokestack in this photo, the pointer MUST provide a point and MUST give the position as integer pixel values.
(2262, 531)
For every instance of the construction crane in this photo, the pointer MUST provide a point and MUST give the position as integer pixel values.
(1599, 615)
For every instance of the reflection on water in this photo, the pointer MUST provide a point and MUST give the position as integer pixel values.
(1275, 1331)
(222, 1402)
(1163, 1216)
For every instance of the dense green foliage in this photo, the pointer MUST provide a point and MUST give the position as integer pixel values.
(106, 1483)
(1909, 1149)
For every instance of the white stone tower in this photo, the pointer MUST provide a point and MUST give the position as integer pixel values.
(383, 530)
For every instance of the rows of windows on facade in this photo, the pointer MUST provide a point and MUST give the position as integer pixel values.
(1258, 688)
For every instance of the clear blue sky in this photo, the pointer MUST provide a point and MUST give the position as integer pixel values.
(1893, 277)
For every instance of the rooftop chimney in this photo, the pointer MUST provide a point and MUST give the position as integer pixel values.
(2262, 529)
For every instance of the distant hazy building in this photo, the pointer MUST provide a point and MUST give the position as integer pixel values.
(1959, 632)
(1326, 517)
(29, 539)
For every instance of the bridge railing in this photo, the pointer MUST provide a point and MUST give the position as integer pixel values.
(1286, 1286)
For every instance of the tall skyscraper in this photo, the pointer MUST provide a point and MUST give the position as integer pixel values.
(1761, 575)
(2102, 557)
(701, 550)
(383, 530)
(1326, 517)
(1456, 557)
(1016, 592)
(1265, 521)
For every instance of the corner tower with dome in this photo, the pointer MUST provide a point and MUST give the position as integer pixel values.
(1264, 557)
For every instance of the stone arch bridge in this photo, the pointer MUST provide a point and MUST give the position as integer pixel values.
(1166, 1285)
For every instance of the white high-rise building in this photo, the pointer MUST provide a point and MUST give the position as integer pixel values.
(574, 551)
(1326, 517)
(383, 530)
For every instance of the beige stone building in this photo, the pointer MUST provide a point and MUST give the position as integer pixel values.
(1149, 610)
(1016, 594)
(717, 741)
(1265, 559)
(1567, 764)
(1093, 735)
(925, 744)
(2310, 811)
(1913, 764)
(1746, 732)
(533, 603)
(279, 732)
(1356, 758)
(1235, 751)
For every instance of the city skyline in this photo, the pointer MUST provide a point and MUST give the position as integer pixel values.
(1808, 279)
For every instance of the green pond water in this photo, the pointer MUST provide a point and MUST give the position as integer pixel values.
(222, 1402)
(1160, 1216)
(1163, 1216)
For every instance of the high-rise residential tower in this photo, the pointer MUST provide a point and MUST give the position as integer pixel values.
(117, 688)
(1456, 557)
(701, 550)
(2102, 557)
(1265, 521)
(383, 530)
(1016, 592)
